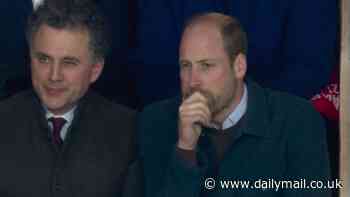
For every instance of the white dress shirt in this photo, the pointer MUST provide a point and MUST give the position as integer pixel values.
(36, 3)
(68, 116)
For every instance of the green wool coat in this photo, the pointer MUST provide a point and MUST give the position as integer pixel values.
(282, 139)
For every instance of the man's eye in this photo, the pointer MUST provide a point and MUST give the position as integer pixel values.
(183, 66)
(206, 65)
(43, 59)
(69, 63)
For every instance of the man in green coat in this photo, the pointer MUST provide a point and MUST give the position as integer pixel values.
(226, 135)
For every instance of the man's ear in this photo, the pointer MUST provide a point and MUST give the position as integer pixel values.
(97, 69)
(240, 66)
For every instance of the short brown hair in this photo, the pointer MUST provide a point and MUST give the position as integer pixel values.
(72, 15)
(233, 35)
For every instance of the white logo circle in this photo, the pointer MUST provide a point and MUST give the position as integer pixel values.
(209, 183)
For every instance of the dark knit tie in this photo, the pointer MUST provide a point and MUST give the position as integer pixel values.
(57, 124)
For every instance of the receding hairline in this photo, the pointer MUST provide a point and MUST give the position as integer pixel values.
(234, 38)
(212, 18)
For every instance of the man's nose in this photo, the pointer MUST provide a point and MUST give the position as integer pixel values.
(56, 72)
(195, 78)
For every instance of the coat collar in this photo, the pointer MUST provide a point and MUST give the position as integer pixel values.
(256, 117)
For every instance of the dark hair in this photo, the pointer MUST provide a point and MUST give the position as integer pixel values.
(73, 15)
(233, 35)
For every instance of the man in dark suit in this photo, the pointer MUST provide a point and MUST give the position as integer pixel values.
(228, 128)
(63, 139)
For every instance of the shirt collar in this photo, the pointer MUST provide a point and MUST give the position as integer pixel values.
(68, 116)
(238, 112)
(37, 3)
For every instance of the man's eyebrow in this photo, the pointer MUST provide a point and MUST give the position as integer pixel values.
(206, 60)
(198, 61)
(70, 58)
(38, 53)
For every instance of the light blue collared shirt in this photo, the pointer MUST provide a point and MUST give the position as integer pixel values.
(238, 112)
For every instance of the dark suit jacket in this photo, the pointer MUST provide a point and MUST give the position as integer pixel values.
(282, 138)
(95, 158)
(289, 42)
